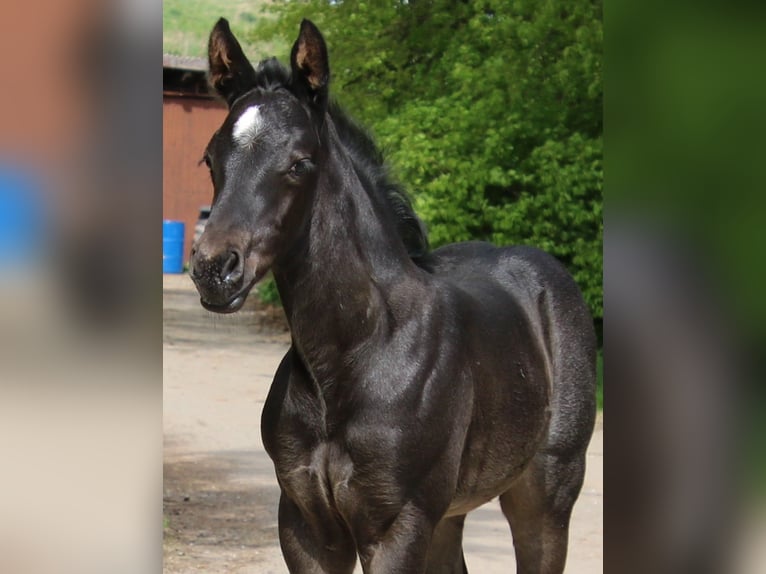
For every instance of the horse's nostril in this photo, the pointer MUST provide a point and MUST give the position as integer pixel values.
(232, 268)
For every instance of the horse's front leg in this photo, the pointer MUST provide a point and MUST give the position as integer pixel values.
(313, 544)
(403, 547)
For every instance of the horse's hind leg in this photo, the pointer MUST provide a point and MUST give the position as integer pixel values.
(445, 554)
(538, 507)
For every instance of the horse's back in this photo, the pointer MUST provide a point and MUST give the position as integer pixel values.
(558, 314)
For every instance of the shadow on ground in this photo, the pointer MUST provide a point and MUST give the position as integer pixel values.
(213, 507)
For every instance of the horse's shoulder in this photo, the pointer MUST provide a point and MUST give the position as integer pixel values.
(519, 277)
(476, 261)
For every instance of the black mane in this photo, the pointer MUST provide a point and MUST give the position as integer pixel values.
(373, 171)
(367, 159)
(271, 75)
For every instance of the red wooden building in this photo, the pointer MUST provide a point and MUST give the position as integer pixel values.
(190, 116)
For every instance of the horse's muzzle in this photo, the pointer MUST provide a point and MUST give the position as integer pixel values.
(219, 278)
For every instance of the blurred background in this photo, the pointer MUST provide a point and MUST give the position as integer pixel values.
(80, 289)
(494, 118)
(683, 281)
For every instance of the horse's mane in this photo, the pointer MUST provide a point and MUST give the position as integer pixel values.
(367, 159)
(373, 171)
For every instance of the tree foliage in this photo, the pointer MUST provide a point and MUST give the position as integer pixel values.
(490, 113)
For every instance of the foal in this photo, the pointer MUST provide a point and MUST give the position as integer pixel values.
(418, 385)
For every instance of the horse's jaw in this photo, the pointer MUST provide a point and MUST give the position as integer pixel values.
(231, 307)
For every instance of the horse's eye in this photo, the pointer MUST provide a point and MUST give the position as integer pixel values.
(300, 168)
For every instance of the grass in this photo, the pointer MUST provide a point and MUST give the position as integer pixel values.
(186, 25)
(267, 292)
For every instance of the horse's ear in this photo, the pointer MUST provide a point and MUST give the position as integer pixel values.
(310, 66)
(231, 74)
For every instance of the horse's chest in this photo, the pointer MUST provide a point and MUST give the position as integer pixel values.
(317, 479)
(347, 478)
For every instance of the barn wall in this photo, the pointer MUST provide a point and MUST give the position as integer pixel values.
(187, 125)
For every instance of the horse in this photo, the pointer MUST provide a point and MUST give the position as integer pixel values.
(419, 384)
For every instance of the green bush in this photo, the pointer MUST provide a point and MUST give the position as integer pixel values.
(490, 113)
(267, 292)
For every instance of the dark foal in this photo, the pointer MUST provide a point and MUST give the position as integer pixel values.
(418, 385)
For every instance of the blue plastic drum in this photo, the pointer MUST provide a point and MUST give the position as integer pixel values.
(22, 225)
(172, 246)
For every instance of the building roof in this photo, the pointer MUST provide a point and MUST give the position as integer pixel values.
(184, 76)
(184, 63)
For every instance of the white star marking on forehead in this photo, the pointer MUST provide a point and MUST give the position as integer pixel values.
(247, 126)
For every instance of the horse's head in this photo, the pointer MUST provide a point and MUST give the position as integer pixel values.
(263, 163)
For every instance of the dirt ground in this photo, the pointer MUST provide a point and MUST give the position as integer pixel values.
(220, 493)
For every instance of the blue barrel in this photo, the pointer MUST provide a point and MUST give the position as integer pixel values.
(172, 246)
(22, 224)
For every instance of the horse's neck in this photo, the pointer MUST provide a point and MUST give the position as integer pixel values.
(342, 288)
